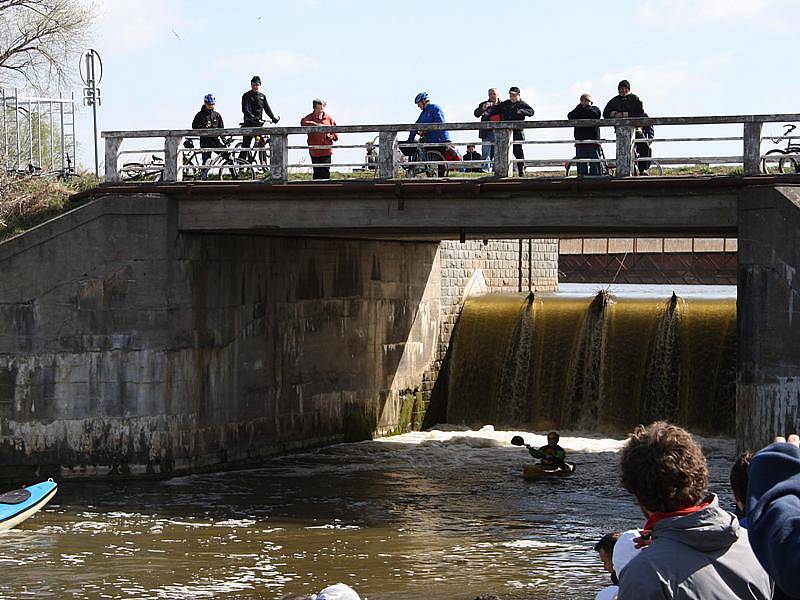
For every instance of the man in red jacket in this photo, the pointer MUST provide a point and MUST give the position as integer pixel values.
(320, 155)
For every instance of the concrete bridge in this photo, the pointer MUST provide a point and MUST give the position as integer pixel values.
(173, 327)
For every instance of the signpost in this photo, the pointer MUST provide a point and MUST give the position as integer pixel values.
(91, 69)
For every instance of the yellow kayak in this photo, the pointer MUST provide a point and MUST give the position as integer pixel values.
(538, 471)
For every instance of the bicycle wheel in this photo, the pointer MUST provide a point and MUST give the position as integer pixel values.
(434, 170)
(655, 165)
(191, 165)
(771, 167)
(226, 168)
(132, 171)
(788, 165)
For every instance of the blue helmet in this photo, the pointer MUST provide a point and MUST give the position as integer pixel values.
(209, 99)
(420, 97)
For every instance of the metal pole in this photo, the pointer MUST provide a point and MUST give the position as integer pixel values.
(63, 163)
(74, 166)
(5, 129)
(52, 166)
(93, 85)
(30, 133)
(16, 121)
(39, 132)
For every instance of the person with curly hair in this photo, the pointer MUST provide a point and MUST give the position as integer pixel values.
(695, 549)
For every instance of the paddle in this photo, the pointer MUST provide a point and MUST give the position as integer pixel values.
(518, 441)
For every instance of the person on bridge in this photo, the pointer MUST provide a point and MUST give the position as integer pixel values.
(587, 110)
(315, 118)
(208, 118)
(487, 135)
(696, 549)
(514, 109)
(254, 105)
(431, 113)
(626, 105)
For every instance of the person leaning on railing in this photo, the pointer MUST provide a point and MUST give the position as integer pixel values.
(586, 110)
(627, 105)
(514, 109)
(208, 118)
(487, 135)
(315, 118)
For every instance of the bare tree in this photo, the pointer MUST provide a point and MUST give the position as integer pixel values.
(39, 39)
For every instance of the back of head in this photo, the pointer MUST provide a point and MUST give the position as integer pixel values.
(340, 591)
(740, 476)
(607, 542)
(664, 468)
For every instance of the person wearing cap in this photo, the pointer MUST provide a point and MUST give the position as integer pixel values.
(315, 118)
(431, 113)
(208, 118)
(254, 105)
(514, 109)
(586, 110)
(627, 105)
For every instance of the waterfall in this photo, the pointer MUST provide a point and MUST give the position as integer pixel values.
(596, 364)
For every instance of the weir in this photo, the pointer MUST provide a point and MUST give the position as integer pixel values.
(594, 364)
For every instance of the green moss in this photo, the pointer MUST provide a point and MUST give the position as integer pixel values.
(412, 411)
(358, 425)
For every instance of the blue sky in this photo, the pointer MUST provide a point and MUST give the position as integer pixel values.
(369, 59)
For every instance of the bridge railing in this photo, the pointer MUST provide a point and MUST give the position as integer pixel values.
(386, 155)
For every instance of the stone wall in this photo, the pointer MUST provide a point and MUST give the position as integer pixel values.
(768, 305)
(127, 347)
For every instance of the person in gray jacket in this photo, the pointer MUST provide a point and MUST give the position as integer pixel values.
(695, 550)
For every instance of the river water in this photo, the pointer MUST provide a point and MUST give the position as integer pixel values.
(437, 514)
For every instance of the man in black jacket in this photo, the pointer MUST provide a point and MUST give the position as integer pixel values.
(586, 110)
(627, 105)
(208, 118)
(514, 109)
(254, 105)
(487, 135)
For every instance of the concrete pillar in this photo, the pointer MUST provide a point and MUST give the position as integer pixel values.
(503, 167)
(768, 305)
(173, 158)
(279, 156)
(386, 141)
(624, 159)
(112, 159)
(752, 148)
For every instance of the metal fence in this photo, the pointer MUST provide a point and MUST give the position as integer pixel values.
(176, 155)
(37, 134)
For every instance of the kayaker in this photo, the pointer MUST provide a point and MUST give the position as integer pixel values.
(552, 453)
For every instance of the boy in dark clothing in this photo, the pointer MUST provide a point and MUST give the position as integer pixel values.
(586, 110)
(627, 105)
(514, 109)
(254, 105)
(208, 118)
(472, 154)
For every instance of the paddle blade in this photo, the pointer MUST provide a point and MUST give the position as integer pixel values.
(517, 440)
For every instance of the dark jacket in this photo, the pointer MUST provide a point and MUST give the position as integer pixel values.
(704, 555)
(629, 104)
(585, 112)
(484, 115)
(773, 513)
(254, 104)
(512, 111)
(207, 119)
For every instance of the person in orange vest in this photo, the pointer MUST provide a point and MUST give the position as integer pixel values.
(317, 117)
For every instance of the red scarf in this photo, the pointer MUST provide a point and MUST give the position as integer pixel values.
(657, 516)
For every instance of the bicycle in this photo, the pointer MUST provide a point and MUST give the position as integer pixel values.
(253, 163)
(785, 164)
(148, 170)
(417, 153)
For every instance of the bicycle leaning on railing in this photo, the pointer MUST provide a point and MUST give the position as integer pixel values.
(414, 153)
(776, 161)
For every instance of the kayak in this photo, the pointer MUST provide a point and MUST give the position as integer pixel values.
(18, 505)
(539, 471)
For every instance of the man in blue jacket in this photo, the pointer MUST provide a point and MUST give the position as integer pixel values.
(431, 113)
(773, 512)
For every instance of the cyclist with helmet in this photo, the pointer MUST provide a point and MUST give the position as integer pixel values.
(254, 105)
(431, 113)
(208, 118)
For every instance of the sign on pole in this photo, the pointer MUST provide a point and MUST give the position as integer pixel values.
(91, 69)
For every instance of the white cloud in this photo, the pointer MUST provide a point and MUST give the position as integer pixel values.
(274, 62)
(682, 13)
(134, 25)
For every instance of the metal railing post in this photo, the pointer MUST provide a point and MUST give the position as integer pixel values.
(5, 130)
(112, 159)
(173, 158)
(752, 148)
(16, 127)
(386, 165)
(503, 167)
(279, 156)
(624, 160)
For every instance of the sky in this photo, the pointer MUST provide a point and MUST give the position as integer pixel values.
(369, 58)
